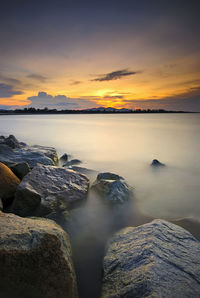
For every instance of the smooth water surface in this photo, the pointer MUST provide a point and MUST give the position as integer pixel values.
(123, 144)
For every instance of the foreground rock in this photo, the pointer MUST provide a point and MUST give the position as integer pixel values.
(113, 187)
(35, 259)
(158, 259)
(156, 163)
(8, 183)
(20, 169)
(48, 189)
(32, 155)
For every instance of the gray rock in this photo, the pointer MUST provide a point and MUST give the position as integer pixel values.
(64, 157)
(1, 204)
(20, 169)
(32, 155)
(113, 187)
(35, 259)
(158, 259)
(72, 162)
(157, 163)
(11, 141)
(48, 189)
(82, 170)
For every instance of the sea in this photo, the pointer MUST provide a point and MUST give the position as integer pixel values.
(124, 144)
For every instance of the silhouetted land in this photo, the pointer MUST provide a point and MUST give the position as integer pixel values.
(100, 110)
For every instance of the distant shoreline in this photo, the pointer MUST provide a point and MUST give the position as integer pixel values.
(78, 112)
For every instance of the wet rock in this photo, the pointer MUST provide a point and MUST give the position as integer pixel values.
(82, 170)
(72, 162)
(32, 155)
(158, 259)
(64, 157)
(48, 189)
(157, 163)
(1, 204)
(113, 187)
(35, 259)
(20, 169)
(11, 141)
(8, 184)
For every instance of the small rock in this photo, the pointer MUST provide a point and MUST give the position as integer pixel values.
(113, 187)
(11, 141)
(157, 163)
(35, 259)
(8, 184)
(158, 259)
(82, 170)
(21, 169)
(72, 162)
(64, 157)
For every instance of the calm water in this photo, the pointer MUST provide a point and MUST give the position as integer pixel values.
(124, 144)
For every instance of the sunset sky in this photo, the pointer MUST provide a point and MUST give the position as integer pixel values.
(83, 54)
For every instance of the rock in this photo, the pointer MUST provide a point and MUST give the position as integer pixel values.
(48, 189)
(157, 163)
(1, 204)
(20, 169)
(8, 184)
(108, 176)
(64, 157)
(72, 162)
(11, 141)
(32, 155)
(82, 170)
(113, 187)
(35, 259)
(158, 259)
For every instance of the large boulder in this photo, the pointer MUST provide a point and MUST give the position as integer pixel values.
(8, 183)
(12, 152)
(112, 187)
(35, 259)
(158, 259)
(48, 189)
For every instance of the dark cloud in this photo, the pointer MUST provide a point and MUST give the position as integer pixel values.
(9, 80)
(113, 97)
(37, 77)
(8, 91)
(115, 75)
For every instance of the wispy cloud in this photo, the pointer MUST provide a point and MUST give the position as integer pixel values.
(76, 83)
(37, 77)
(114, 75)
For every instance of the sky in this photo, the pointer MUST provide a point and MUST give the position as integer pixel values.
(84, 54)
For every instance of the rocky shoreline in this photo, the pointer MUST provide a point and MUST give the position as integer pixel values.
(38, 191)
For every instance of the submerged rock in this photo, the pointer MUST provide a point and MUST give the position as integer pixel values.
(8, 184)
(113, 187)
(35, 259)
(158, 259)
(72, 162)
(157, 163)
(64, 157)
(20, 169)
(82, 170)
(47, 189)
